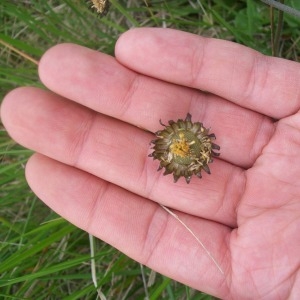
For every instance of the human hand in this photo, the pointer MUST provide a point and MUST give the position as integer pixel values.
(92, 166)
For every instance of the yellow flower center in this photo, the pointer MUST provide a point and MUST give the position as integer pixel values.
(181, 146)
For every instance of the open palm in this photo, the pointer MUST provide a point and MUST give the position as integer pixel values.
(92, 133)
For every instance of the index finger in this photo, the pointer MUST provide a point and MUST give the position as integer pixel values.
(244, 76)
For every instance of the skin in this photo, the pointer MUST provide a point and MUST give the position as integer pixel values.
(91, 131)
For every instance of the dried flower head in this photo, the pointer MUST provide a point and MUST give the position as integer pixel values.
(184, 148)
(101, 6)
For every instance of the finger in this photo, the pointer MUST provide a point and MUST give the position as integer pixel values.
(116, 152)
(264, 84)
(98, 81)
(139, 228)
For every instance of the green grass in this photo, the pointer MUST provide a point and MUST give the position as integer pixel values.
(41, 255)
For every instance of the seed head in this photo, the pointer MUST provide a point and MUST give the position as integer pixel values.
(184, 148)
(101, 6)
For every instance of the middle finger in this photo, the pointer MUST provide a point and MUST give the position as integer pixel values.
(117, 152)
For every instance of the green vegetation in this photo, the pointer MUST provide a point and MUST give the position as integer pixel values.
(41, 255)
